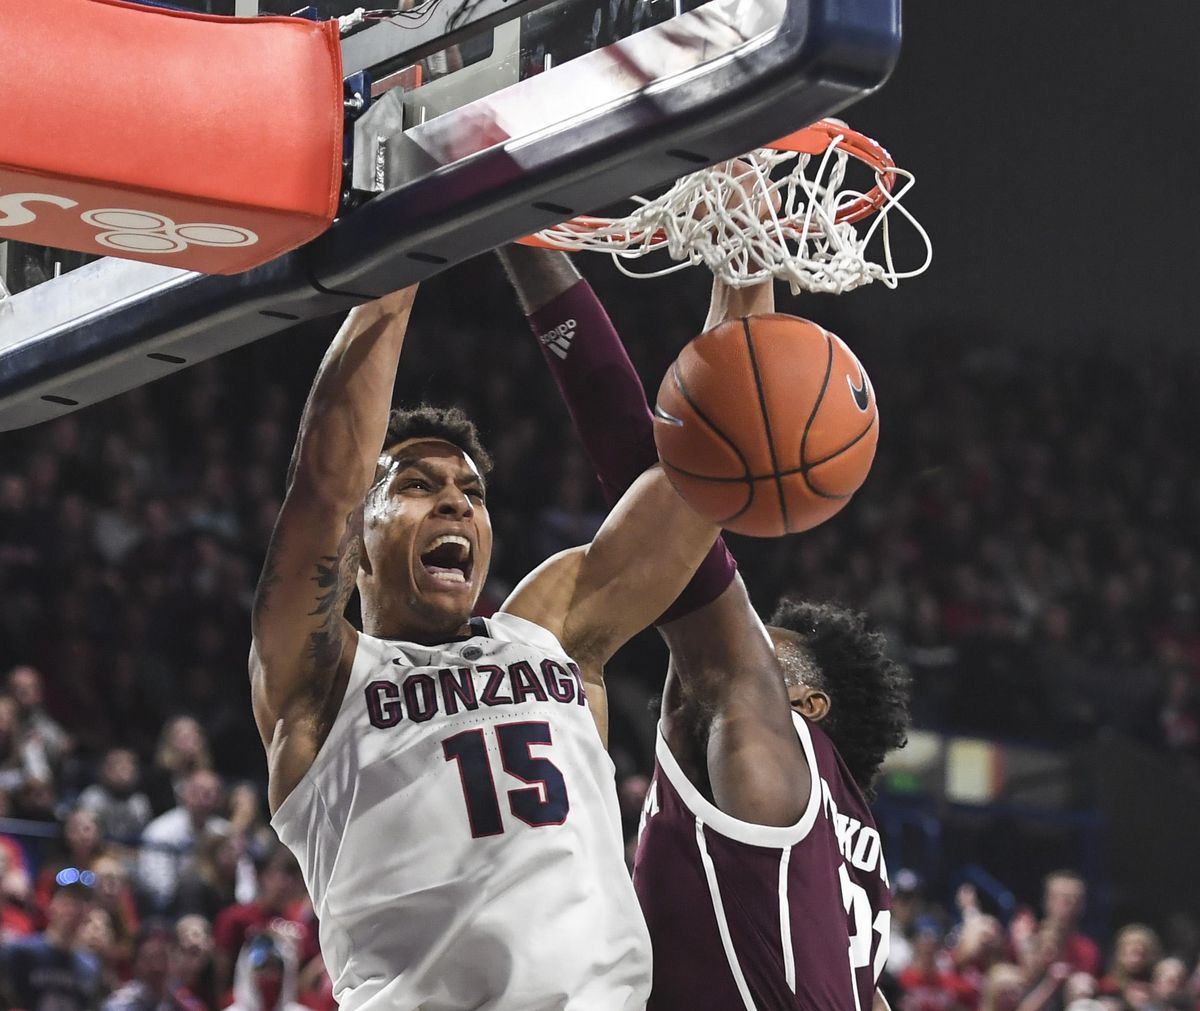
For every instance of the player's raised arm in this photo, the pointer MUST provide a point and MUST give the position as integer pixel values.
(720, 652)
(597, 598)
(598, 382)
(727, 666)
(301, 641)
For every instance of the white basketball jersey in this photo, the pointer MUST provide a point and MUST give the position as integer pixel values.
(460, 837)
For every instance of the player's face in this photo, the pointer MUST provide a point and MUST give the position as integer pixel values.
(427, 539)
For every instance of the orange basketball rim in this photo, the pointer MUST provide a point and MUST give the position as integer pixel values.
(813, 140)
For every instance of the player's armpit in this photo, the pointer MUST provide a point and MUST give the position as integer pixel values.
(880, 1002)
(726, 665)
(639, 562)
(535, 599)
(301, 641)
(541, 597)
(642, 557)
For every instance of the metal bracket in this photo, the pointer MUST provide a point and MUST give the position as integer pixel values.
(427, 28)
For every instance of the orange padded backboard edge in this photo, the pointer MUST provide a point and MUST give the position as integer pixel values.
(207, 143)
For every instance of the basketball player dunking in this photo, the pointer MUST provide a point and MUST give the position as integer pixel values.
(759, 867)
(440, 778)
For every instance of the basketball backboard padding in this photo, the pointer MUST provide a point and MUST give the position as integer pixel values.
(476, 188)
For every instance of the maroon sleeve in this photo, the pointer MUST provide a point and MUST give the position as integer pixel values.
(608, 405)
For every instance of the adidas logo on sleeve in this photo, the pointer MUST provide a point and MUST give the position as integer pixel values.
(558, 339)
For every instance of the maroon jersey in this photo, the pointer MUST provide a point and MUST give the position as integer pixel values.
(762, 917)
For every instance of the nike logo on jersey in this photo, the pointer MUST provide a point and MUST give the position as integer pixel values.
(862, 392)
(559, 338)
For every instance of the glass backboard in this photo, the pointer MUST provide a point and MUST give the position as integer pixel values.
(469, 123)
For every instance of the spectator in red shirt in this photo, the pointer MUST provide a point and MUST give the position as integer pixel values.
(155, 985)
(280, 891)
(1064, 898)
(928, 984)
(980, 946)
(15, 920)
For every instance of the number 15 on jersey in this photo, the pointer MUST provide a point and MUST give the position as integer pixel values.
(543, 801)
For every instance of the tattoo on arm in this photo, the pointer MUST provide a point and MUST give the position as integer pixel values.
(335, 578)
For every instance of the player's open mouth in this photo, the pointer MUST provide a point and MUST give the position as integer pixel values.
(448, 559)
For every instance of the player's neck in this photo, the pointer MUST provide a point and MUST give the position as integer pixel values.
(410, 628)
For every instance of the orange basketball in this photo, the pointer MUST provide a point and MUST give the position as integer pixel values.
(766, 424)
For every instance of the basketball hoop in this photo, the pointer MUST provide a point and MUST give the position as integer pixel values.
(765, 216)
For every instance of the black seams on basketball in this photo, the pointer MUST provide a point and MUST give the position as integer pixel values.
(766, 424)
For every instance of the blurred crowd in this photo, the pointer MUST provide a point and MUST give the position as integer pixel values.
(1026, 538)
(163, 889)
(1030, 962)
(1027, 541)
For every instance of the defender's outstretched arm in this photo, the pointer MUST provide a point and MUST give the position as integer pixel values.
(301, 641)
(597, 380)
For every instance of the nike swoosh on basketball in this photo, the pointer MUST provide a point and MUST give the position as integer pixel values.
(861, 394)
(670, 419)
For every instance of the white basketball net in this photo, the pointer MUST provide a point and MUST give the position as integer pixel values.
(785, 227)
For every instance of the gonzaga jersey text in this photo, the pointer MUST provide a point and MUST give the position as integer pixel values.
(758, 917)
(460, 837)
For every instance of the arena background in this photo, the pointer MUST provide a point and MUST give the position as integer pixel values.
(1027, 539)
